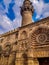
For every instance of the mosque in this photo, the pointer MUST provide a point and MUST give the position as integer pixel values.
(28, 44)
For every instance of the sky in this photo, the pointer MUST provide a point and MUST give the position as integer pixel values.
(10, 17)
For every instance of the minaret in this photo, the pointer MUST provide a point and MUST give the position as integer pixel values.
(27, 12)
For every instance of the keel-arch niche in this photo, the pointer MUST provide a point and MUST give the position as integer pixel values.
(40, 36)
(7, 49)
(8, 46)
(23, 35)
(25, 59)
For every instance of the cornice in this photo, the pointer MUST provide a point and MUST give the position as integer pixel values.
(9, 32)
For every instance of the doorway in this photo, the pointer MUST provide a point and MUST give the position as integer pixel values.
(43, 61)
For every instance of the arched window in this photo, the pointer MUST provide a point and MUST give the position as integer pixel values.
(7, 46)
(24, 35)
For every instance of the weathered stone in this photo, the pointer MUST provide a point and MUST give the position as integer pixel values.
(28, 44)
(12, 58)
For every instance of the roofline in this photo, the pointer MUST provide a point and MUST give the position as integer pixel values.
(42, 20)
(17, 29)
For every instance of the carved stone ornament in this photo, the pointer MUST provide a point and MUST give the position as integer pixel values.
(41, 38)
(41, 35)
(7, 49)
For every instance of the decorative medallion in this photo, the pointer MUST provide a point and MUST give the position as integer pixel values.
(41, 38)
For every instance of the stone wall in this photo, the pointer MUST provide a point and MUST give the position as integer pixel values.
(24, 45)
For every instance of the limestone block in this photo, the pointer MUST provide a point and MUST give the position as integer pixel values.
(19, 59)
(33, 62)
(4, 60)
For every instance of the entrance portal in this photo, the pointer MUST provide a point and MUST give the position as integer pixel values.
(43, 61)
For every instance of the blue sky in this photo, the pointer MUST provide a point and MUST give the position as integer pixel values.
(10, 17)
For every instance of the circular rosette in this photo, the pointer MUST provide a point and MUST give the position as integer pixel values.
(41, 38)
(40, 35)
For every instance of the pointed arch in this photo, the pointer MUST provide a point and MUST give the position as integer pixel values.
(7, 49)
(23, 35)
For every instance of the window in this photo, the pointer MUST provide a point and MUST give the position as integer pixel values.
(24, 35)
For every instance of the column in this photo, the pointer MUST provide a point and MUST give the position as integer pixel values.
(33, 61)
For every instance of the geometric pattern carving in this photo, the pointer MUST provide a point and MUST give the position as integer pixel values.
(41, 38)
(41, 35)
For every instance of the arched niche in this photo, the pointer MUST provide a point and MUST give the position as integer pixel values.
(7, 49)
(23, 35)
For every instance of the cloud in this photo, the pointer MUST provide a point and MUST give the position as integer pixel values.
(41, 9)
(16, 23)
(6, 24)
(19, 2)
(6, 2)
(1, 31)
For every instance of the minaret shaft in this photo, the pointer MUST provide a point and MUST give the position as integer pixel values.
(26, 18)
(26, 12)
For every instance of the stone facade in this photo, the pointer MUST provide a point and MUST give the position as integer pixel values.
(25, 45)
